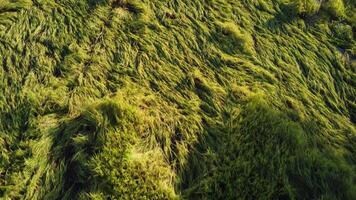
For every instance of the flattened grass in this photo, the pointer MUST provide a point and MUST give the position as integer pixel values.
(176, 99)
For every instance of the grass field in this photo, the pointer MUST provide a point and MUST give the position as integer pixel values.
(177, 99)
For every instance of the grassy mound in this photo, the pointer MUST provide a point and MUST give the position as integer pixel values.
(205, 99)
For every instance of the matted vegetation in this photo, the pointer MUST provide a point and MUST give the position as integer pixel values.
(161, 99)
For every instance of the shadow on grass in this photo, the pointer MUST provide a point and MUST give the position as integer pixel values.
(76, 142)
(286, 15)
(262, 154)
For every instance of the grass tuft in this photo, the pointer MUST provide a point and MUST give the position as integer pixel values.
(235, 38)
(335, 8)
(306, 7)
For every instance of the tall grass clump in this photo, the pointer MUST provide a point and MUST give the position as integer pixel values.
(335, 8)
(236, 38)
(131, 5)
(95, 156)
(306, 7)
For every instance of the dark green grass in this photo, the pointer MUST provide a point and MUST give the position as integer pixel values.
(205, 99)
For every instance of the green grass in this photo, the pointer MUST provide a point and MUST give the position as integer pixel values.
(307, 7)
(336, 8)
(158, 99)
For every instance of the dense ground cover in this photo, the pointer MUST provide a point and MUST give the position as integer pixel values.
(177, 99)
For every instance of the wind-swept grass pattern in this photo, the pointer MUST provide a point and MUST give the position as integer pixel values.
(159, 99)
